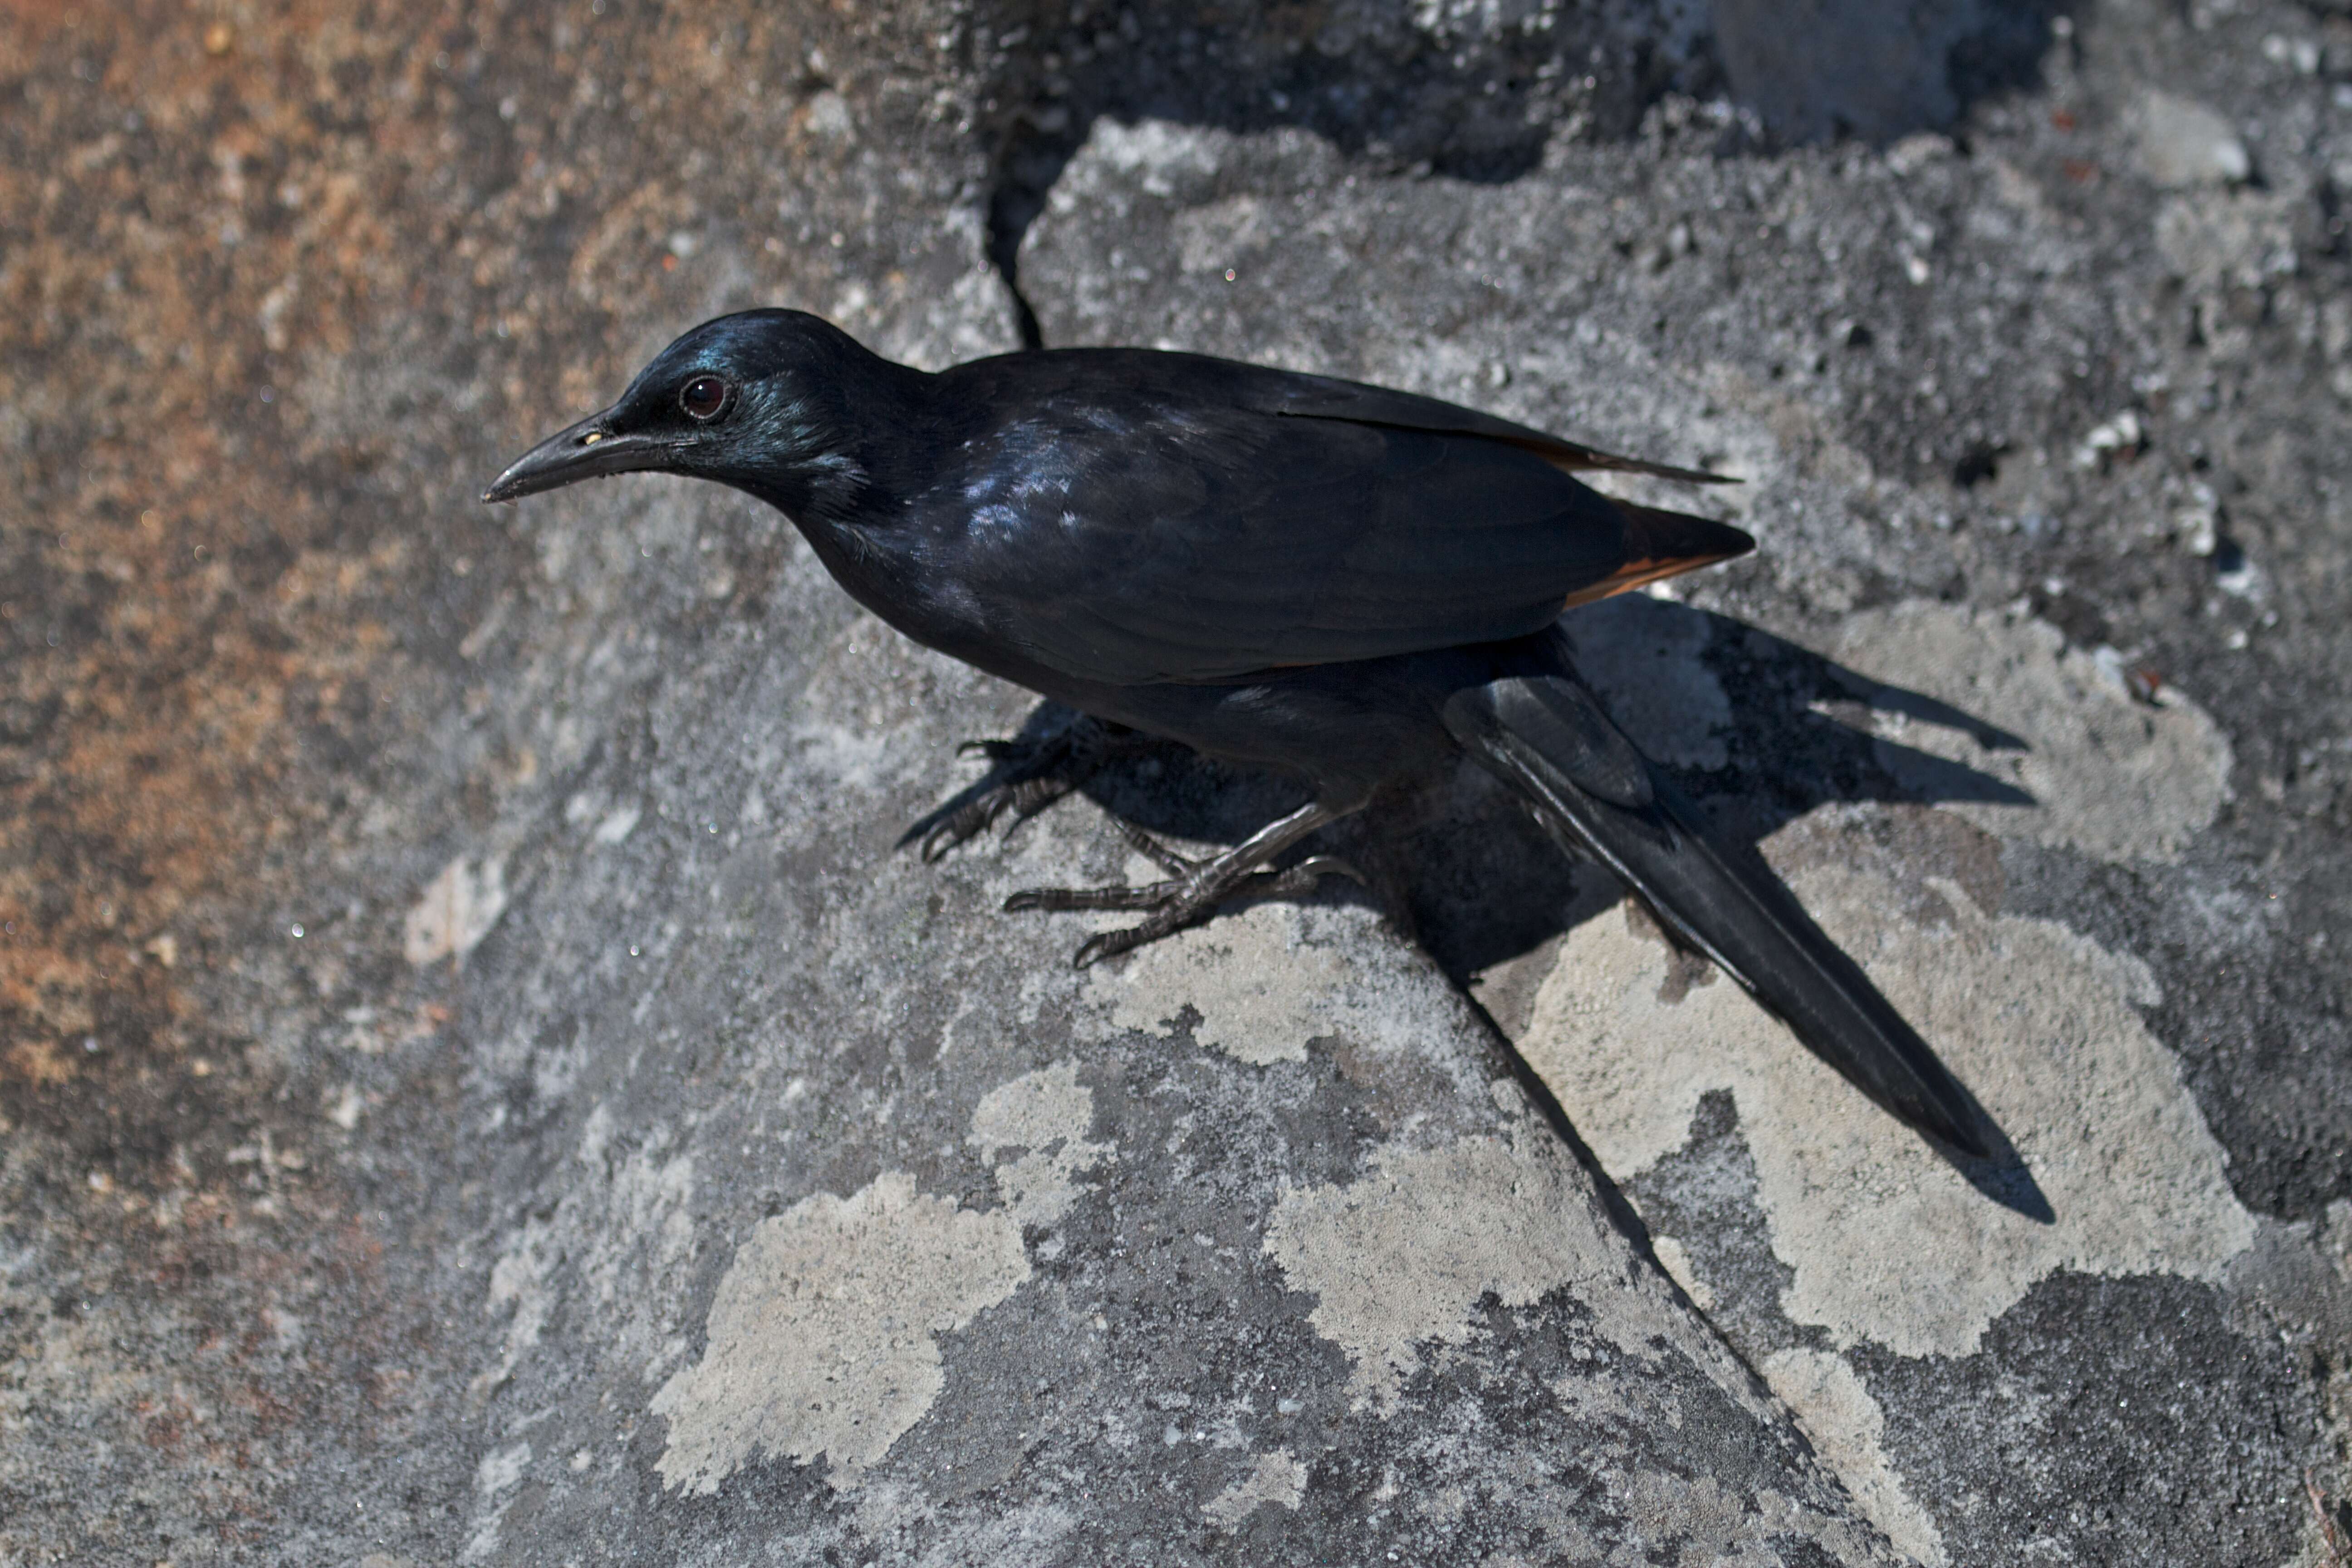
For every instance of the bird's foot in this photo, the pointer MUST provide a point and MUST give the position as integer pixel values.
(1024, 777)
(1191, 893)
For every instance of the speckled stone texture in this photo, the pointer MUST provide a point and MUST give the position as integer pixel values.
(2032, 692)
(477, 1083)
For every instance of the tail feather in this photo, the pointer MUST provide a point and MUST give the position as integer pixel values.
(1545, 735)
(1661, 544)
(1678, 536)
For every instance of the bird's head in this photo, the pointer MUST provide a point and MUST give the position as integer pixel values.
(758, 400)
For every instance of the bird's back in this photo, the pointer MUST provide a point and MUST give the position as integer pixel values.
(1127, 516)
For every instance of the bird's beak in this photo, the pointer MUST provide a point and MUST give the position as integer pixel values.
(585, 451)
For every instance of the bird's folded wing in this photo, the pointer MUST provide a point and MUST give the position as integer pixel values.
(1196, 543)
(1323, 397)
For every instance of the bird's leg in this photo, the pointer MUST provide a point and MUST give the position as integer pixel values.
(1024, 778)
(1195, 888)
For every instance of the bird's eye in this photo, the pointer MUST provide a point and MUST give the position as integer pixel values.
(703, 397)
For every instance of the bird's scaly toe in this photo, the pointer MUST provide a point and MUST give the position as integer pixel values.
(1186, 900)
(1150, 896)
(1024, 777)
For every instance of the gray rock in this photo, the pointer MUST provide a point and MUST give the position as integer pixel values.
(544, 1119)
(478, 1084)
(1929, 701)
(831, 1211)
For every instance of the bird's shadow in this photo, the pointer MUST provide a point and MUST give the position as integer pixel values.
(1457, 862)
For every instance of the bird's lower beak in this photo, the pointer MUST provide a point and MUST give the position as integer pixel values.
(585, 451)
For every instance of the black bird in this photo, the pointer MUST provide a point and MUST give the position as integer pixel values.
(1334, 581)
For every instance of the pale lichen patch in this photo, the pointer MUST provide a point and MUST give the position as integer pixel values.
(1260, 992)
(454, 911)
(1047, 1115)
(1710, 1522)
(2108, 775)
(1276, 1477)
(1263, 982)
(1400, 1258)
(1887, 1242)
(821, 1339)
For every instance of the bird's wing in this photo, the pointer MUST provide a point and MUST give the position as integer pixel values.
(1323, 397)
(1133, 535)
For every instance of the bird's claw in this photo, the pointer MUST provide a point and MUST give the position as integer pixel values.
(1021, 799)
(1322, 866)
(1192, 892)
(1108, 944)
(1026, 777)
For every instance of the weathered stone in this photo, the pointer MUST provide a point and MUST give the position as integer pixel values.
(898, 1227)
(584, 1137)
(2004, 742)
(479, 1086)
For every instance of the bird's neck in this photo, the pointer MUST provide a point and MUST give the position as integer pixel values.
(819, 494)
(870, 422)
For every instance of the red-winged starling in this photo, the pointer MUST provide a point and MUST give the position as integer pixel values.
(1334, 581)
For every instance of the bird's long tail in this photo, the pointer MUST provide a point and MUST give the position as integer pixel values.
(1543, 733)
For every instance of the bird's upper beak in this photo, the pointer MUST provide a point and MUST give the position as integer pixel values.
(585, 451)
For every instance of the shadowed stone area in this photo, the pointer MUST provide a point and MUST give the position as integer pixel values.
(477, 1085)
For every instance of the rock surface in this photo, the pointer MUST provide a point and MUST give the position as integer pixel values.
(478, 1084)
(1982, 432)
